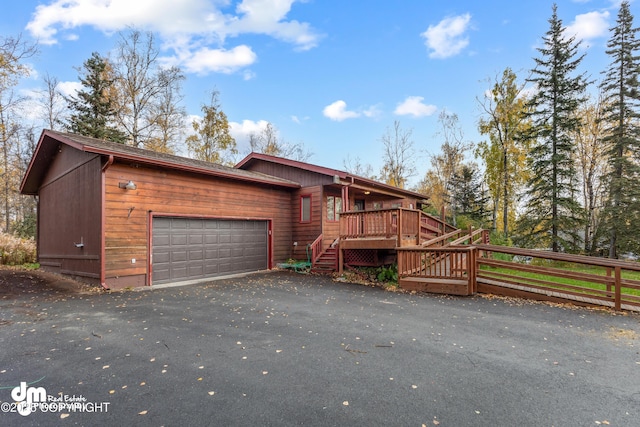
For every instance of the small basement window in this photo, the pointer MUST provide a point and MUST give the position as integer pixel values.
(305, 208)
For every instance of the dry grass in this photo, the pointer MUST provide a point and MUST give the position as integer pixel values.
(17, 251)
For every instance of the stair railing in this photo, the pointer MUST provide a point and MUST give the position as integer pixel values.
(316, 249)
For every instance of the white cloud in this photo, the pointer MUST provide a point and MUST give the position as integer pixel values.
(224, 61)
(338, 112)
(266, 17)
(196, 30)
(242, 131)
(248, 75)
(299, 120)
(69, 88)
(447, 38)
(373, 111)
(413, 106)
(589, 26)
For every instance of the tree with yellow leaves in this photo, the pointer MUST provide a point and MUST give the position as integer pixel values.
(212, 140)
(504, 155)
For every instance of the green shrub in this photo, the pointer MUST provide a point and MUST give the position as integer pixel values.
(388, 273)
(17, 251)
(497, 238)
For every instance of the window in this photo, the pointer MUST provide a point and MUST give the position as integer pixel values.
(334, 207)
(305, 208)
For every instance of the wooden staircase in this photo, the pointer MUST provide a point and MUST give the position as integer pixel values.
(327, 262)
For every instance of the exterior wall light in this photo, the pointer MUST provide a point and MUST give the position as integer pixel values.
(128, 185)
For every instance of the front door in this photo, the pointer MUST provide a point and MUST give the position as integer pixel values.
(358, 205)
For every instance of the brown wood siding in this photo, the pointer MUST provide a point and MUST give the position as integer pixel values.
(304, 177)
(70, 215)
(174, 193)
(306, 233)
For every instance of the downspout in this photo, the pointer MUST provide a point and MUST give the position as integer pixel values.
(103, 219)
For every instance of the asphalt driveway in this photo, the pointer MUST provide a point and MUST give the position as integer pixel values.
(282, 348)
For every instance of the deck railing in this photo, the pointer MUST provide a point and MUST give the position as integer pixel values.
(436, 262)
(459, 237)
(409, 226)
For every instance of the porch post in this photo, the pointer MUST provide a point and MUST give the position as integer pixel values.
(345, 198)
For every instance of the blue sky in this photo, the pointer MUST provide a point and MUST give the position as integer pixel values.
(330, 74)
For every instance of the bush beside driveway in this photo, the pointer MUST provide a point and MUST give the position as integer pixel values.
(282, 348)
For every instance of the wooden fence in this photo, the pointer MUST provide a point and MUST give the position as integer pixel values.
(465, 270)
(586, 280)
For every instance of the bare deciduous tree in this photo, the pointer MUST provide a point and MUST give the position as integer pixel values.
(168, 115)
(140, 85)
(354, 166)
(446, 164)
(13, 52)
(399, 156)
(268, 142)
(592, 164)
(52, 103)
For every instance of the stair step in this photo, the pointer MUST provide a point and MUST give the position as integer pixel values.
(326, 262)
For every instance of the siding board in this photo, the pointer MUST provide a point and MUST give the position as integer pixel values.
(182, 194)
(70, 211)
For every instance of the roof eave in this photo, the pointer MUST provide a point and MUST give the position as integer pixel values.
(185, 168)
(291, 163)
(142, 160)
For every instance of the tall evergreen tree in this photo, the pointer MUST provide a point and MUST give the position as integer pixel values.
(621, 100)
(92, 109)
(553, 215)
(469, 195)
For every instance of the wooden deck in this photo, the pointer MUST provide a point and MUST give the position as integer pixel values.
(387, 229)
(433, 256)
(406, 226)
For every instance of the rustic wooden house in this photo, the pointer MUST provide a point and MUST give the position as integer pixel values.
(121, 216)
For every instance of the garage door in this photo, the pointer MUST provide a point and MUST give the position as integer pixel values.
(195, 248)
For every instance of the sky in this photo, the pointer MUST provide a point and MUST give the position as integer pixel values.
(332, 75)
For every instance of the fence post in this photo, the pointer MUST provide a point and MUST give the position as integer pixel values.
(471, 270)
(618, 289)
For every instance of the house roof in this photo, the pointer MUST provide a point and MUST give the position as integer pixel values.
(342, 175)
(50, 140)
